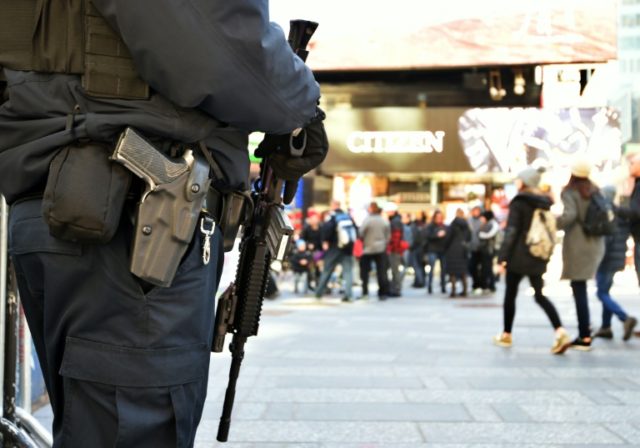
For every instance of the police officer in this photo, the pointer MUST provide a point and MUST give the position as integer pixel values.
(125, 362)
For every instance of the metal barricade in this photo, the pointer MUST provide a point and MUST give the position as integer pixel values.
(18, 428)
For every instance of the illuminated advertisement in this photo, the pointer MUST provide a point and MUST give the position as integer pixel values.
(406, 34)
(448, 140)
(509, 140)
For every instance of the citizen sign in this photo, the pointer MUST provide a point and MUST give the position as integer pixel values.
(396, 142)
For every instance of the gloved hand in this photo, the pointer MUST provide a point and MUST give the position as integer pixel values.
(288, 167)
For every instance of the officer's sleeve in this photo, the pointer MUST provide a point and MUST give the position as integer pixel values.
(221, 56)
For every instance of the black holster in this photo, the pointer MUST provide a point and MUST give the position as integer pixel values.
(230, 211)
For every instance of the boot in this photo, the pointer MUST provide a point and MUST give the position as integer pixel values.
(452, 279)
(464, 286)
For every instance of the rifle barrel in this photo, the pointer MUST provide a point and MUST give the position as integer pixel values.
(237, 355)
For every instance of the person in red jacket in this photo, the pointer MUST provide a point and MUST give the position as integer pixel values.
(396, 248)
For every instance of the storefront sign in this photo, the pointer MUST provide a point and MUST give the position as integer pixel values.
(399, 142)
(387, 140)
(413, 197)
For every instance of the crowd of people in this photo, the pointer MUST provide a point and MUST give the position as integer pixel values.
(391, 244)
(469, 254)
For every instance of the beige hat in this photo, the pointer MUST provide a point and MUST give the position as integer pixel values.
(581, 168)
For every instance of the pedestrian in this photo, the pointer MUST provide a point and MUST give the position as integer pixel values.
(312, 235)
(475, 254)
(301, 262)
(337, 250)
(517, 260)
(375, 233)
(435, 234)
(126, 361)
(396, 248)
(632, 211)
(581, 253)
(416, 249)
(456, 253)
(487, 235)
(614, 260)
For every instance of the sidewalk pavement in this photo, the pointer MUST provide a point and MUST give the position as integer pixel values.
(421, 371)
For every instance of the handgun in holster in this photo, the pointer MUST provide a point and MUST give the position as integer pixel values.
(169, 208)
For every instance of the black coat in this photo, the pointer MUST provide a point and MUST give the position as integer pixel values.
(296, 261)
(434, 243)
(615, 254)
(514, 249)
(456, 247)
(329, 232)
(632, 212)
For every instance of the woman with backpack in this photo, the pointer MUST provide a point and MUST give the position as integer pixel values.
(581, 252)
(516, 257)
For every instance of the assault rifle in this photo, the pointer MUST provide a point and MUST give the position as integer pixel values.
(266, 237)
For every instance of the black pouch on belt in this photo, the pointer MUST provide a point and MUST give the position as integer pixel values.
(85, 193)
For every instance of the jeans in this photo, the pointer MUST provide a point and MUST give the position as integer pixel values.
(432, 257)
(579, 288)
(396, 263)
(332, 258)
(488, 280)
(475, 267)
(415, 260)
(380, 261)
(513, 280)
(636, 257)
(301, 276)
(604, 281)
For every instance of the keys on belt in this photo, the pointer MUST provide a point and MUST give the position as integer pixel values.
(207, 227)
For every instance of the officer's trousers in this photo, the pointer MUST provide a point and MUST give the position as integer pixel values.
(123, 367)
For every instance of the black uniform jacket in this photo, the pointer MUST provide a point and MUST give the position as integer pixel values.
(218, 71)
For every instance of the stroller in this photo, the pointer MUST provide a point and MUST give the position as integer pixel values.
(18, 428)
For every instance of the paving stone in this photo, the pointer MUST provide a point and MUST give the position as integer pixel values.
(340, 370)
(511, 413)
(434, 383)
(600, 397)
(629, 432)
(517, 433)
(482, 412)
(325, 395)
(541, 384)
(586, 414)
(341, 382)
(329, 431)
(403, 412)
(495, 396)
(625, 396)
(594, 372)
